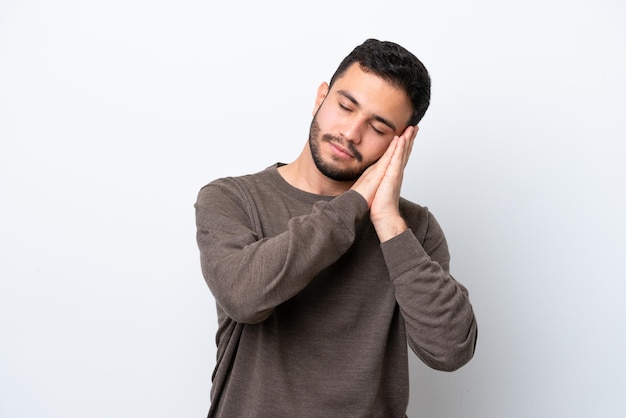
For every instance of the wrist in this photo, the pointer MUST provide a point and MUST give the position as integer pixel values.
(389, 227)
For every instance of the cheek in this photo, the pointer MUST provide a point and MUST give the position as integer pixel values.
(327, 120)
(377, 149)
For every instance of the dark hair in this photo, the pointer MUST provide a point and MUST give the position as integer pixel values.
(396, 65)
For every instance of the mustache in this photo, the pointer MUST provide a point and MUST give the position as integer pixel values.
(347, 145)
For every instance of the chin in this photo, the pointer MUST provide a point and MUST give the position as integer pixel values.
(335, 173)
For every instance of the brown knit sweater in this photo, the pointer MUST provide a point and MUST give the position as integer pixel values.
(315, 314)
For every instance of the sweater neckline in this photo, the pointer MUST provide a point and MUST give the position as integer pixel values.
(279, 182)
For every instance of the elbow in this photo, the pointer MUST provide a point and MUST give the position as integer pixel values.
(237, 302)
(247, 316)
(243, 310)
(453, 355)
(453, 361)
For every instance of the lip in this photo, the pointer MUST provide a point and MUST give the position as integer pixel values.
(340, 151)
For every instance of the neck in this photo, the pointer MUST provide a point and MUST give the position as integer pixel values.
(303, 174)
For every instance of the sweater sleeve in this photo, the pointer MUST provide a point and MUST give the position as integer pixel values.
(250, 275)
(440, 323)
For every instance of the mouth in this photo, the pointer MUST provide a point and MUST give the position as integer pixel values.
(341, 151)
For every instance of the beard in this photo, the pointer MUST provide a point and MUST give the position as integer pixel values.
(328, 167)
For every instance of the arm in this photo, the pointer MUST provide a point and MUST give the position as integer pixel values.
(249, 275)
(440, 323)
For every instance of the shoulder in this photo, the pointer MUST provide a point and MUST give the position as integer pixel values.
(237, 185)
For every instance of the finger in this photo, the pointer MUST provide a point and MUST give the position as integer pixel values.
(408, 147)
(389, 153)
(410, 131)
(396, 164)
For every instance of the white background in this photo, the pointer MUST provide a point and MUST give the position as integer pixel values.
(114, 113)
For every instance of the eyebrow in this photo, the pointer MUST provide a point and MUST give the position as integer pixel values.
(379, 118)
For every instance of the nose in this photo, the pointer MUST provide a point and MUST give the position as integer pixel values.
(352, 130)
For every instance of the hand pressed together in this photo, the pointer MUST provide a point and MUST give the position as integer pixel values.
(381, 183)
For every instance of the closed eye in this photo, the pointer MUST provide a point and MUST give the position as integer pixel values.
(378, 131)
(346, 108)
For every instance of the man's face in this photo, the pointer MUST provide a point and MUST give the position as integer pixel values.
(354, 122)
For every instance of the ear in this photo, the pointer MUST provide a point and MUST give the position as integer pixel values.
(322, 91)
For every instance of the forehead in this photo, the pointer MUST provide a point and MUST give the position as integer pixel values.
(374, 94)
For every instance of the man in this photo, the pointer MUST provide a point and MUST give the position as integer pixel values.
(322, 274)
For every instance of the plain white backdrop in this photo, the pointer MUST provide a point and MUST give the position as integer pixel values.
(114, 113)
